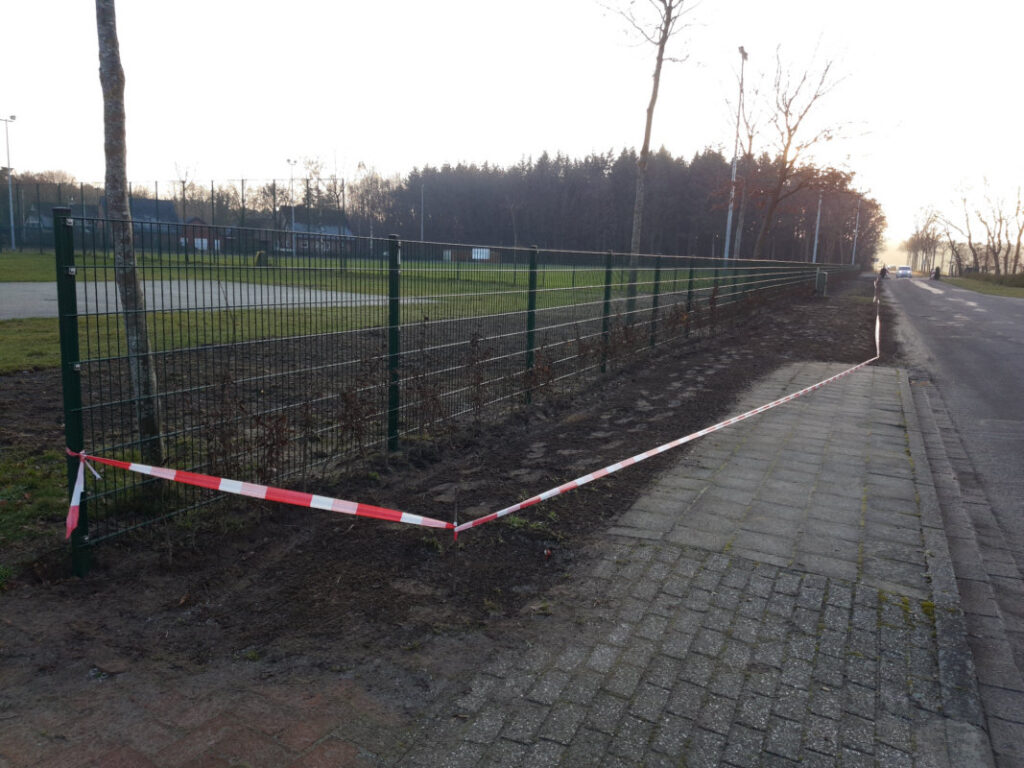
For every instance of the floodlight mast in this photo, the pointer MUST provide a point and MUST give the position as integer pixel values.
(735, 151)
(10, 172)
(291, 197)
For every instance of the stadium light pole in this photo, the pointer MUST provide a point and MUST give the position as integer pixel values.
(10, 172)
(856, 228)
(735, 151)
(817, 227)
(291, 197)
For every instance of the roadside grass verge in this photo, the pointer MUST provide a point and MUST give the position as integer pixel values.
(989, 287)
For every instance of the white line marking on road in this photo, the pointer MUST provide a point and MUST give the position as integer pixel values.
(927, 287)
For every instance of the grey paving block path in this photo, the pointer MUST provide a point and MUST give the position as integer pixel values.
(780, 597)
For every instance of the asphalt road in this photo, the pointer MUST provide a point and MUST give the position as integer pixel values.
(972, 345)
(966, 353)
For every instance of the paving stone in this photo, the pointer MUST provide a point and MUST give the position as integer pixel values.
(821, 734)
(784, 738)
(562, 723)
(697, 669)
(549, 687)
(827, 702)
(604, 712)
(544, 754)
(727, 682)
(708, 642)
(649, 702)
(857, 733)
(797, 673)
(663, 671)
(716, 714)
(705, 749)
(487, 724)
(582, 687)
(686, 700)
(631, 739)
(743, 747)
(603, 657)
(791, 702)
(671, 735)
(887, 757)
(506, 754)
(753, 711)
(587, 749)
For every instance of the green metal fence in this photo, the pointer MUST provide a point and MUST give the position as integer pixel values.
(282, 358)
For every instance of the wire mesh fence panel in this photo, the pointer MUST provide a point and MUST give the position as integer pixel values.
(280, 356)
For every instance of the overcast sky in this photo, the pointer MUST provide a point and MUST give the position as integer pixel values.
(221, 89)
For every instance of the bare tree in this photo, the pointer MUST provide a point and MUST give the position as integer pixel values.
(658, 34)
(963, 231)
(794, 101)
(1004, 232)
(1018, 223)
(955, 252)
(129, 286)
(749, 133)
(924, 242)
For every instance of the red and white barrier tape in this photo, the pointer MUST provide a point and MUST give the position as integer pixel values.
(301, 499)
(573, 484)
(267, 492)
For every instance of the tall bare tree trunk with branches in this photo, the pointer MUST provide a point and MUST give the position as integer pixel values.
(750, 128)
(129, 286)
(669, 12)
(793, 102)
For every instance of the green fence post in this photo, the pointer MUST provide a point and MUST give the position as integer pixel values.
(394, 337)
(689, 297)
(531, 317)
(655, 300)
(606, 313)
(70, 368)
(714, 300)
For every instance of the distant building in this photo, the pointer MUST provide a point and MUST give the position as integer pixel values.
(145, 210)
(316, 231)
(197, 235)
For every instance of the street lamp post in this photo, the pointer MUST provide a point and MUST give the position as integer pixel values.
(735, 151)
(856, 228)
(291, 197)
(817, 227)
(10, 172)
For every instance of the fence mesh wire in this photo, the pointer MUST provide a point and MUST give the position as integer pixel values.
(274, 360)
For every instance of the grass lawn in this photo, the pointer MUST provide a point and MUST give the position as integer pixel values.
(28, 344)
(442, 291)
(986, 286)
(33, 493)
(27, 267)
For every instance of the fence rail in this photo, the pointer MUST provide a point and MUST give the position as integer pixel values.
(282, 358)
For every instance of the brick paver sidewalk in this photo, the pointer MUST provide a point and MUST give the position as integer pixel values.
(779, 598)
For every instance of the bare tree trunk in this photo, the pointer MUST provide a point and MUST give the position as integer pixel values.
(129, 286)
(670, 10)
(792, 105)
(769, 214)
